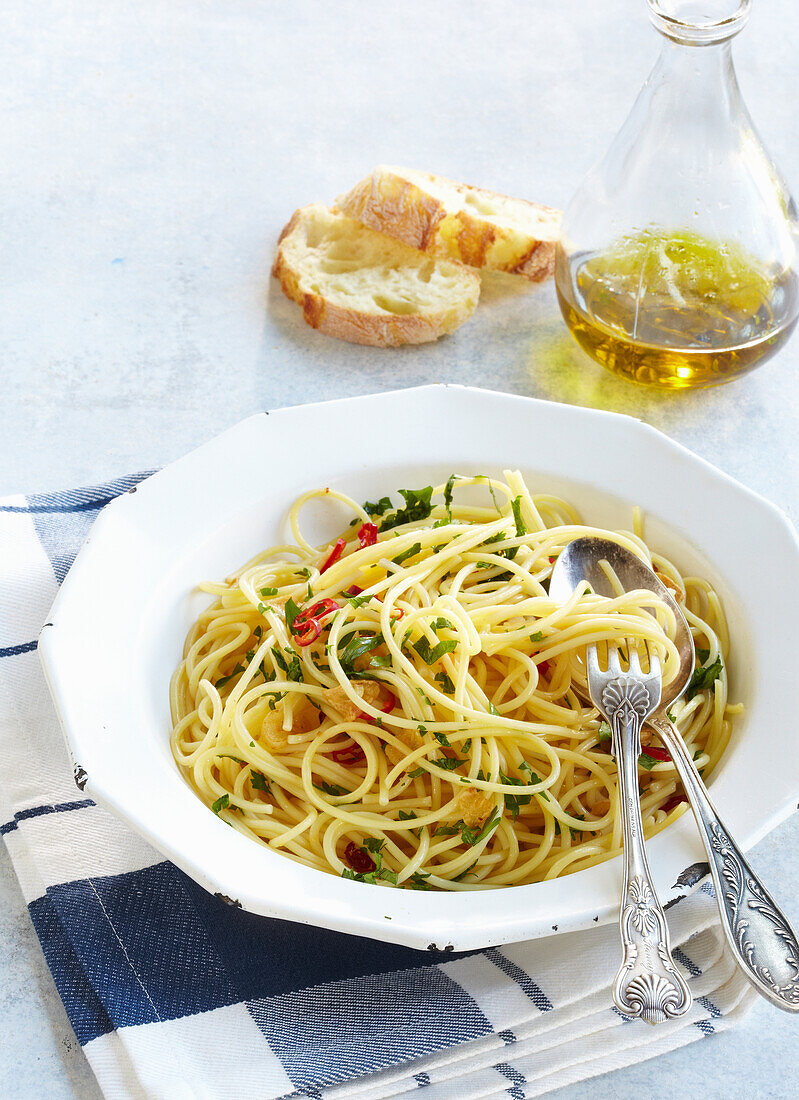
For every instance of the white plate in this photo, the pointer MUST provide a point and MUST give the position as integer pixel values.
(121, 616)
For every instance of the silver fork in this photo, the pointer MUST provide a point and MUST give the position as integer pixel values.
(647, 984)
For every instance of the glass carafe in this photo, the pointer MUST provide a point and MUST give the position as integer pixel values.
(677, 265)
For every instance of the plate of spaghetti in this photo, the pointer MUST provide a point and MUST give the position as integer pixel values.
(350, 700)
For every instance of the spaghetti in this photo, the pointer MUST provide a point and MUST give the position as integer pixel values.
(399, 707)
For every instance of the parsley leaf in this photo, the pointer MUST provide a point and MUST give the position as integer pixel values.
(604, 733)
(647, 761)
(704, 677)
(355, 648)
(221, 803)
(537, 637)
(259, 781)
(417, 506)
(432, 654)
(470, 837)
(448, 494)
(331, 788)
(292, 669)
(448, 763)
(411, 552)
(379, 508)
(516, 508)
(441, 738)
(417, 881)
(444, 683)
(292, 611)
(448, 830)
(514, 802)
(265, 593)
(226, 679)
(463, 874)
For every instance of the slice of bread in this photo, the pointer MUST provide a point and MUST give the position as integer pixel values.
(368, 288)
(445, 218)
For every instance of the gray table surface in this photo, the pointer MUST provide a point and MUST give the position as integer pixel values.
(151, 154)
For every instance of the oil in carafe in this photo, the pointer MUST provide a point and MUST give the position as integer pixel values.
(676, 309)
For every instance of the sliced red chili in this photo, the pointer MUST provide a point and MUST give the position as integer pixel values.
(367, 535)
(308, 633)
(359, 860)
(334, 555)
(543, 668)
(673, 802)
(307, 626)
(386, 708)
(353, 590)
(351, 754)
(656, 753)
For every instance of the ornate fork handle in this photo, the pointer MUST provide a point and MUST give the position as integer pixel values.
(647, 985)
(762, 941)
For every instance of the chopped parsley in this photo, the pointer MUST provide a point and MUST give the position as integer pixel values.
(292, 668)
(259, 781)
(418, 881)
(265, 593)
(431, 654)
(375, 846)
(440, 737)
(356, 647)
(516, 508)
(448, 763)
(411, 552)
(331, 788)
(226, 679)
(604, 733)
(704, 677)
(444, 683)
(448, 495)
(377, 508)
(417, 506)
(292, 611)
(537, 637)
(221, 803)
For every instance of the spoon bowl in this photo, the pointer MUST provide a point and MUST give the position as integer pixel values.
(580, 561)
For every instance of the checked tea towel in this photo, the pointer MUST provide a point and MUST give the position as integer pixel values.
(174, 994)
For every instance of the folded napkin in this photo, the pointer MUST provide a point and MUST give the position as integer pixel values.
(174, 994)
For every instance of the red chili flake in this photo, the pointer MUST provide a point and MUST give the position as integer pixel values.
(397, 612)
(350, 754)
(367, 535)
(552, 561)
(359, 860)
(353, 590)
(656, 753)
(672, 802)
(334, 555)
(543, 668)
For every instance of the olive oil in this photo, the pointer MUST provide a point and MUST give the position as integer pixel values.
(676, 309)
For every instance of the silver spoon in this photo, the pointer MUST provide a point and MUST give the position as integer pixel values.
(760, 938)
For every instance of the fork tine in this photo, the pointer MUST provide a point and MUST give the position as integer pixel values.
(614, 665)
(634, 662)
(592, 661)
(654, 663)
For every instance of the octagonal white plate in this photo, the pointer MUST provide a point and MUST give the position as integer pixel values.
(119, 622)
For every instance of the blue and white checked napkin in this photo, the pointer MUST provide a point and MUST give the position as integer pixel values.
(173, 994)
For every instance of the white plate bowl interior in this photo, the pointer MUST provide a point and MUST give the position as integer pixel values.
(119, 622)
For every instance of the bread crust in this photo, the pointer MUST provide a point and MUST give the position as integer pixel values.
(357, 326)
(392, 202)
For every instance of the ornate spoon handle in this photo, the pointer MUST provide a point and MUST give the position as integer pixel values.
(647, 985)
(763, 943)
